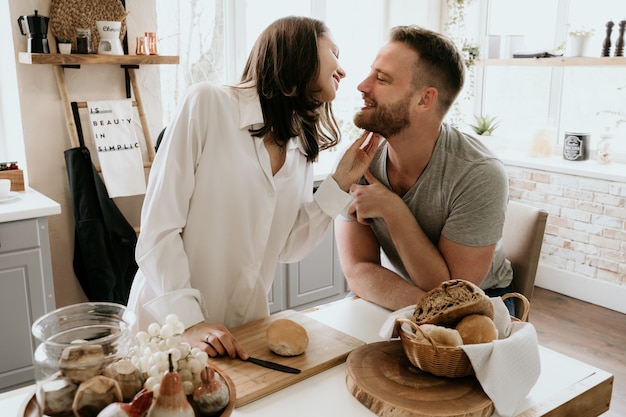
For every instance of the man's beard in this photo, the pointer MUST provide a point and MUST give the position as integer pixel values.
(386, 119)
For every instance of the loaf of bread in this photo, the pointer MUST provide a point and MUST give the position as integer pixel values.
(449, 302)
(442, 336)
(286, 338)
(477, 328)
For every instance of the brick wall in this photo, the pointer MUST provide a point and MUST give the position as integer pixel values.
(586, 230)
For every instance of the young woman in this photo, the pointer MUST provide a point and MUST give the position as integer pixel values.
(230, 192)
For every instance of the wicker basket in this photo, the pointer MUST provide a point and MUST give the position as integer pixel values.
(16, 176)
(448, 361)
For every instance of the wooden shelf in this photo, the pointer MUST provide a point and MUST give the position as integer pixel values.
(555, 62)
(95, 59)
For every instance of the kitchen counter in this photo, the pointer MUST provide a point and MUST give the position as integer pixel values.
(566, 386)
(27, 204)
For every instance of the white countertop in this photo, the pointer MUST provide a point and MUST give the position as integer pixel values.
(589, 169)
(325, 394)
(27, 204)
(515, 157)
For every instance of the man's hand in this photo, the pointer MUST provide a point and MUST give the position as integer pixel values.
(215, 340)
(371, 201)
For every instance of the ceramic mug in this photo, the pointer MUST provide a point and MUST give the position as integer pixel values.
(5, 188)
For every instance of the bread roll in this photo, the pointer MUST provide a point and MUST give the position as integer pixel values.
(451, 301)
(286, 338)
(442, 336)
(477, 328)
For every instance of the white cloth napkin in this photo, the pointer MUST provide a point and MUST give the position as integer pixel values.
(506, 368)
(118, 149)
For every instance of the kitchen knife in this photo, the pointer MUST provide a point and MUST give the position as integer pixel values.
(273, 365)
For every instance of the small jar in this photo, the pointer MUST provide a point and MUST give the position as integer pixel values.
(576, 146)
(83, 41)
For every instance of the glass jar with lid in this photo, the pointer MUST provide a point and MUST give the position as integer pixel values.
(83, 41)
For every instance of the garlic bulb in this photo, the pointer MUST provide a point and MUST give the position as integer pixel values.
(212, 395)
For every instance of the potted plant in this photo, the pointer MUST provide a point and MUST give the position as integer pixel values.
(485, 125)
(65, 45)
(578, 39)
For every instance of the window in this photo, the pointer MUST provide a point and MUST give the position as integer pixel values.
(560, 99)
(11, 140)
(214, 37)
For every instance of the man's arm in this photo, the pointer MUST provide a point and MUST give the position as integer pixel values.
(471, 263)
(427, 265)
(359, 253)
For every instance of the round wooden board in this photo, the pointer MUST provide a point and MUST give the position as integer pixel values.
(383, 379)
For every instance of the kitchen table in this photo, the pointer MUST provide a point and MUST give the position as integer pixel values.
(566, 387)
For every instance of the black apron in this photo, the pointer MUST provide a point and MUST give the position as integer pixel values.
(104, 246)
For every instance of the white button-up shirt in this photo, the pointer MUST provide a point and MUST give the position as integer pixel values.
(215, 221)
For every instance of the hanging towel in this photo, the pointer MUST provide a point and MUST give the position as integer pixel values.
(117, 146)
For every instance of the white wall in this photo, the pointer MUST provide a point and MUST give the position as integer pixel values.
(45, 137)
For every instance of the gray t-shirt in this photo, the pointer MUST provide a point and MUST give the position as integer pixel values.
(462, 194)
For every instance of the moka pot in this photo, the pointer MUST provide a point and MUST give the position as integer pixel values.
(37, 32)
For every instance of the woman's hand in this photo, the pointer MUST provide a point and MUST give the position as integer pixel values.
(215, 340)
(356, 160)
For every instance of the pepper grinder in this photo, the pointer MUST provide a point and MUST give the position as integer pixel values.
(606, 45)
(619, 45)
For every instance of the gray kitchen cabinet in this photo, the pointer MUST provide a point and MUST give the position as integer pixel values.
(315, 280)
(26, 293)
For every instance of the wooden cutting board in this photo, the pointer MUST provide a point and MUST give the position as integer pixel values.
(327, 347)
(383, 379)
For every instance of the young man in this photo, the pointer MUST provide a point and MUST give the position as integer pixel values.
(434, 201)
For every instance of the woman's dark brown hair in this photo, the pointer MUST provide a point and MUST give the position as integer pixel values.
(284, 66)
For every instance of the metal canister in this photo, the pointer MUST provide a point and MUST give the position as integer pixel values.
(576, 146)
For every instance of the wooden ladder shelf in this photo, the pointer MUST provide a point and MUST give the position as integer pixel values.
(128, 62)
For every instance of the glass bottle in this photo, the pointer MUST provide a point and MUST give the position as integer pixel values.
(603, 151)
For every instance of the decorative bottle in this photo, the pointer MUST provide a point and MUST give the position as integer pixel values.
(603, 151)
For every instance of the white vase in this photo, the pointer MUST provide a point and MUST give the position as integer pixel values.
(494, 143)
(578, 45)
